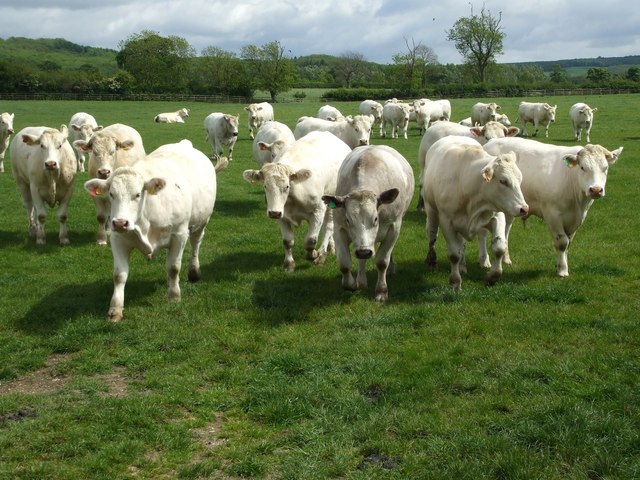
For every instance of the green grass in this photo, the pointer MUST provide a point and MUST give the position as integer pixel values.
(262, 374)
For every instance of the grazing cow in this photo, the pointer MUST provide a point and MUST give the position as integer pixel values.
(537, 114)
(354, 131)
(482, 113)
(172, 117)
(371, 107)
(444, 129)
(81, 127)
(429, 111)
(560, 184)
(465, 190)
(112, 147)
(222, 129)
(374, 190)
(258, 114)
(327, 112)
(500, 117)
(294, 186)
(398, 115)
(159, 202)
(6, 129)
(272, 138)
(581, 116)
(44, 166)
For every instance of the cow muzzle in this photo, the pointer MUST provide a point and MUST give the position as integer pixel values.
(364, 142)
(596, 192)
(364, 253)
(103, 173)
(120, 224)
(51, 165)
(274, 214)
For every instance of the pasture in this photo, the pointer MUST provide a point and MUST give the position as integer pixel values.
(257, 373)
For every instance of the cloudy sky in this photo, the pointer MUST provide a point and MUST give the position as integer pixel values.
(377, 29)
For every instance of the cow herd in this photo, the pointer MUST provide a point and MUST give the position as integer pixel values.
(475, 177)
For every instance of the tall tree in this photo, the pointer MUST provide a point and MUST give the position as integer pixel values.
(269, 67)
(412, 66)
(159, 64)
(479, 39)
(220, 72)
(349, 67)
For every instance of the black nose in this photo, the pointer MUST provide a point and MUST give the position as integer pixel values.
(364, 253)
(274, 214)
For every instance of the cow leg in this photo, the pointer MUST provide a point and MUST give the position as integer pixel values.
(27, 203)
(404, 130)
(63, 236)
(561, 242)
(40, 213)
(103, 209)
(328, 243)
(343, 255)
(311, 238)
(121, 254)
(483, 256)
(509, 223)
(432, 236)
(288, 241)
(194, 264)
(174, 262)
(497, 227)
(455, 247)
(384, 263)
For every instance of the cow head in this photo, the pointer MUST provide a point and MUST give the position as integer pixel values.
(126, 190)
(6, 122)
(50, 143)
(503, 179)
(492, 130)
(361, 126)
(550, 111)
(592, 165)
(232, 122)
(278, 180)
(103, 150)
(274, 148)
(359, 215)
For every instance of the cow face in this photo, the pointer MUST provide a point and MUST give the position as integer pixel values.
(592, 165)
(361, 128)
(275, 148)
(50, 143)
(103, 150)
(232, 125)
(503, 179)
(358, 213)
(6, 123)
(493, 129)
(278, 180)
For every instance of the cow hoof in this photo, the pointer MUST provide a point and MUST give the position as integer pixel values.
(65, 241)
(194, 274)
(289, 267)
(382, 297)
(320, 259)
(492, 278)
(102, 243)
(114, 315)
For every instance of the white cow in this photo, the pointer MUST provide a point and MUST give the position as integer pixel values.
(374, 190)
(560, 184)
(354, 131)
(258, 114)
(272, 138)
(444, 129)
(328, 112)
(538, 114)
(172, 117)
(44, 166)
(6, 129)
(581, 116)
(294, 186)
(464, 190)
(371, 107)
(81, 127)
(222, 130)
(500, 117)
(429, 111)
(398, 115)
(159, 202)
(482, 113)
(112, 147)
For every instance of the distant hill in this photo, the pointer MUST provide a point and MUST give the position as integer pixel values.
(578, 67)
(57, 51)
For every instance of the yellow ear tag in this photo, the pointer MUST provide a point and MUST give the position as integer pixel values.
(95, 191)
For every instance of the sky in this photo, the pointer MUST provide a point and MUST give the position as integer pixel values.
(377, 29)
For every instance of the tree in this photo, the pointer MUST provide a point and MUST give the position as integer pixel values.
(220, 72)
(558, 74)
(412, 67)
(349, 67)
(159, 64)
(633, 74)
(270, 69)
(598, 75)
(479, 39)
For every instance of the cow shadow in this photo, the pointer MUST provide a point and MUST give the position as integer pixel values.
(237, 208)
(69, 302)
(229, 267)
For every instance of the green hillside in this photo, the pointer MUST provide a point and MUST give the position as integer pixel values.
(51, 53)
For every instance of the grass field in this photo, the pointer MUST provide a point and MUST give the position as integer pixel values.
(262, 374)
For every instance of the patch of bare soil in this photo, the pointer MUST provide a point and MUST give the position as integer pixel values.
(45, 380)
(209, 435)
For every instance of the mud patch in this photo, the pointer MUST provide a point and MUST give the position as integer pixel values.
(116, 382)
(45, 380)
(209, 435)
(18, 415)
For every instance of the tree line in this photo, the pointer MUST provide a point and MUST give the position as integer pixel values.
(148, 62)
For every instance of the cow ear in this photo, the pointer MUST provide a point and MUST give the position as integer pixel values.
(82, 145)
(388, 196)
(476, 131)
(30, 139)
(253, 176)
(301, 175)
(64, 130)
(76, 128)
(487, 172)
(512, 132)
(264, 146)
(333, 201)
(126, 145)
(612, 157)
(571, 160)
(96, 187)
(98, 128)
(154, 185)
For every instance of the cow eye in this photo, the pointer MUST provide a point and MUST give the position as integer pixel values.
(504, 182)
(137, 195)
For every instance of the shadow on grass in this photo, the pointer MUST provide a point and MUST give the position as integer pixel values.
(228, 267)
(68, 302)
(12, 239)
(238, 208)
